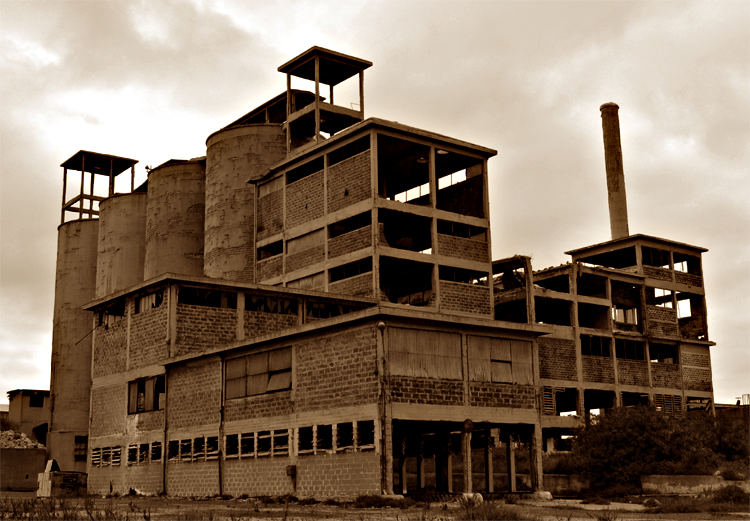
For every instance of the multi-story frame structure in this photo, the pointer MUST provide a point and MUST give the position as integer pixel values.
(311, 309)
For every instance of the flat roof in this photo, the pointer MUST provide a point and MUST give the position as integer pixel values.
(631, 239)
(97, 163)
(335, 67)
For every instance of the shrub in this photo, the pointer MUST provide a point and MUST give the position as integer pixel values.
(730, 494)
(487, 511)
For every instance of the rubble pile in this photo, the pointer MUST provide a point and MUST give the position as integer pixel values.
(17, 440)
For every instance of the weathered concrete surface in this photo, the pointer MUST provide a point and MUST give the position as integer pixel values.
(70, 379)
(678, 484)
(232, 157)
(19, 468)
(174, 222)
(122, 228)
(618, 205)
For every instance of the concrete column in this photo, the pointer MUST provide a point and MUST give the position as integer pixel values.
(420, 463)
(618, 207)
(466, 449)
(489, 473)
(511, 459)
(535, 458)
(402, 465)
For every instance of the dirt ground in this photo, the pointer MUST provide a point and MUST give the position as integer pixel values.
(216, 509)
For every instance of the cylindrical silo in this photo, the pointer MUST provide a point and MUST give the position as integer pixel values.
(233, 156)
(174, 219)
(75, 285)
(122, 231)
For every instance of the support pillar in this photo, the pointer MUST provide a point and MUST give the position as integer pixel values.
(402, 465)
(511, 459)
(449, 471)
(489, 472)
(466, 450)
(535, 458)
(420, 463)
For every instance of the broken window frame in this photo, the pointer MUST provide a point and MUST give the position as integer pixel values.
(349, 270)
(80, 447)
(269, 251)
(600, 348)
(232, 446)
(662, 353)
(350, 224)
(148, 301)
(270, 304)
(194, 296)
(268, 369)
(156, 451)
(627, 349)
(365, 435)
(138, 394)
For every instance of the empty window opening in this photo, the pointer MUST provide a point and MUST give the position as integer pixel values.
(349, 225)
(321, 309)
(143, 452)
(199, 448)
(281, 442)
(106, 456)
(260, 373)
(212, 447)
(350, 150)
(405, 231)
(270, 187)
(560, 401)
(270, 250)
(406, 282)
(626, 306)
(116, 455)
(96, 457)
(365, 434)
(697, 403)
(634, 399)
(247, 444)
(149, 301)
(112, 314)
(449, 273)
(629, 349)
(186, 450)
(173, 450)
(462, 230)
(207, 297)
(231, 446)
(304, 170)
(597, 400)
(592, 285)
(460, 183)
(36, 399)
(146, 394)
(316, 281)
(324, 438)
(344, 437)
(593, 316)
(559, 283)
(265, 443)
(691, 315)
(592, 345)
(664, 353)
(403, 170)
(270, 304)
(511, 311)
(156, 451)
(552, 311)
(352, 269)
(622, 258)
(655, 257)
(305, 440)
(659, 297)
(132, 454)
(687, 263)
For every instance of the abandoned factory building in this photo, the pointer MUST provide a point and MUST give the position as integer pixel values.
(311, 308)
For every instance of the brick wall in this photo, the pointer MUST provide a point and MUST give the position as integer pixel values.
(336, 370)
(697, 379)
(258, 323)
(360, 285)
(462, 248)
(696, 359)
(632, 372)
(199, 327)
(665, 375)
(194, 393)
(109, 479)
(271, 267)
(110, 348)
(197, 478)
(653, 272)
(338, 475)
(305, 258)
(662, 321)
(148, 336)
(149, 421)
(688, 278)
(412, 389)
(486, 394)
(109, 407)
(350, 241)
(349, 181)
(469, 298)
(145, 478)
(598, 369)
(273, 404)
(304, 200)
(257, 477)
(270, 216)
(557, 359)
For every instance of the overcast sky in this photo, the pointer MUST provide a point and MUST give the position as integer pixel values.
(151, 80)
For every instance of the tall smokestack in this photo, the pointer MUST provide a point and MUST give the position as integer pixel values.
(618, 205)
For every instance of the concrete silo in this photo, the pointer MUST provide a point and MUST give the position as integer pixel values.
(234, 155)
(174, 219)
(75, 285)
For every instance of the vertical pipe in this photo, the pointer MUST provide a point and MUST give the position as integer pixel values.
(65, 186)
(618, 207)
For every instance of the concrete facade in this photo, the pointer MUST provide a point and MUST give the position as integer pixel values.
(349, 333)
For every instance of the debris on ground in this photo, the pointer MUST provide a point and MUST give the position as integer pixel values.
(17, 440)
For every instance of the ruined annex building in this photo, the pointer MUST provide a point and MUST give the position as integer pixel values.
(312, 309)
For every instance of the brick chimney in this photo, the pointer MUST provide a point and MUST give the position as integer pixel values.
(618, 205)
